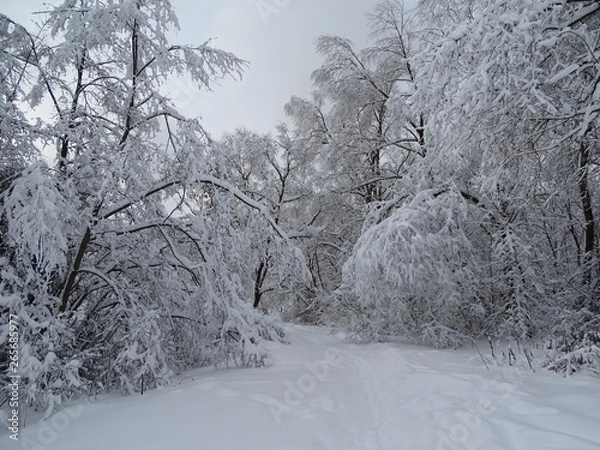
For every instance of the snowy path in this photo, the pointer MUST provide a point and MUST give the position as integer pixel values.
(325, 394)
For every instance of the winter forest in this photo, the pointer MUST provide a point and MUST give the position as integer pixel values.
(440, 184)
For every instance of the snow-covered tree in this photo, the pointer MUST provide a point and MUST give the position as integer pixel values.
(129, 261)
(510, 88)
(366, 131)
(508, 92)
(271, 170)
(416, 273)
(362, 134)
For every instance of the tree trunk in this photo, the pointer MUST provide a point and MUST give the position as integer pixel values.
(589, 232)
(261, 274)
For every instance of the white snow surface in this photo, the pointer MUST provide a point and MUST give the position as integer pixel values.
(324, 393)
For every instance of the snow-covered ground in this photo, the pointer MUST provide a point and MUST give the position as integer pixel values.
(324, 393)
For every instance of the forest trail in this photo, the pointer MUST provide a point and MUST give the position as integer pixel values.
(322, 393)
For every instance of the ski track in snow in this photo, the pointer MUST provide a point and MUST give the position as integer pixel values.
(322, 393)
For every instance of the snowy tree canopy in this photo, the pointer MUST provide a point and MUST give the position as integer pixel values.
(440, 184)
(130, 258)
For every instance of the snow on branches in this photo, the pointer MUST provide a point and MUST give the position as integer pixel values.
(131, 258)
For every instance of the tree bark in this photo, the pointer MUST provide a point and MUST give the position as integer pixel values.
(589, 232)
(261, 274)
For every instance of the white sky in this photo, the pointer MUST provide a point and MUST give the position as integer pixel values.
(277, 40)
(278, 43)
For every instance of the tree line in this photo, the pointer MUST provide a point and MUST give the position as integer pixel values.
(440, 184)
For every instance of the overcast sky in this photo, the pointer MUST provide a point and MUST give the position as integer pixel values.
(278, 41)
(275, 36)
